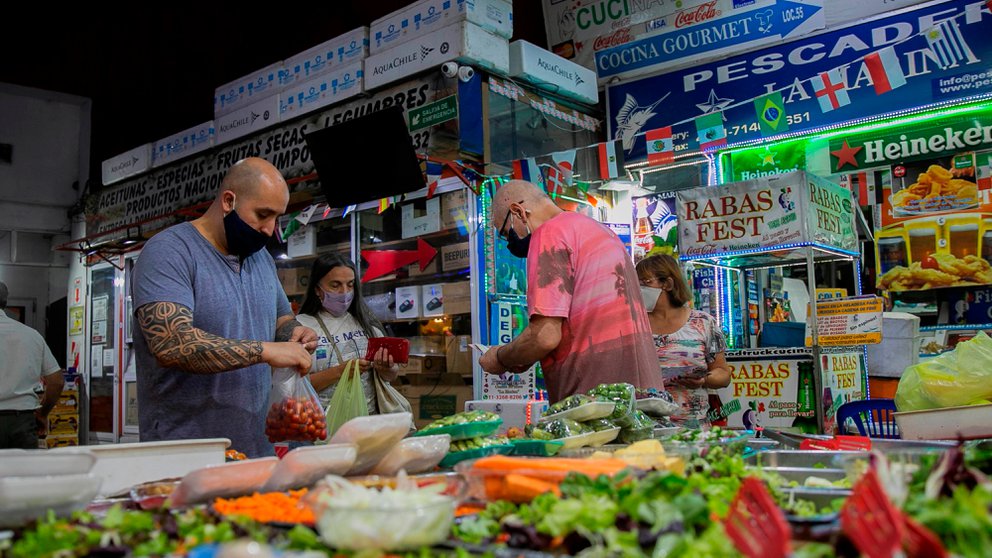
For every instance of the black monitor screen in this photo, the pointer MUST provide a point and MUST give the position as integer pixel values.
(365, 159)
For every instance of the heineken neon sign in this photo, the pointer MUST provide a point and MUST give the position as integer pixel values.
(851, 153)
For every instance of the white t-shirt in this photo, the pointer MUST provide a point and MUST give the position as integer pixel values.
(24, 359)
(351, 341)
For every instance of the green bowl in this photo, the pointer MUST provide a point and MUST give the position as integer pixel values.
(452, 458)
(465, 431)
(539, 448)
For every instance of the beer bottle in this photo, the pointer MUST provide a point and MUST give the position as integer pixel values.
(805, 421)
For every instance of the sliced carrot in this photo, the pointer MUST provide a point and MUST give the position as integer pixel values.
(521, 489)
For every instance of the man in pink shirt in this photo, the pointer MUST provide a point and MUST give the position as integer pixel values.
(587, 324)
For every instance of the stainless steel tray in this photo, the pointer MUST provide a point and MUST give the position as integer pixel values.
(796, 458)
(800, 474)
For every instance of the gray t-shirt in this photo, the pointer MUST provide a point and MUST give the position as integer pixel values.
(227, 299)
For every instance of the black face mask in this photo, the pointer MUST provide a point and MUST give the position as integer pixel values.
(516, 245)
(242, 239)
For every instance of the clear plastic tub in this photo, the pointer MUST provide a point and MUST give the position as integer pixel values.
(223, 481)
(593, 439)
(304, 466)
(452, 459)
(23, 499)
(414, 455)
(375, 435)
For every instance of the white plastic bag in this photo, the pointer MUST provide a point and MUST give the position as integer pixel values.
(414, 455)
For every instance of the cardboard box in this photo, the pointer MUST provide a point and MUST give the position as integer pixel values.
(413, 270)
(129, 163)
(427, 16)
(458, 298)
(247, 120)
(247, 90)
(424, 364)
(348, 48)
(295, 280)
(454, 256)
(900, 346)
(458, 356)
(461, 41)
(420, 217)
(431, 402)
(454, 208)
(61, 441)
(68, 404)
(547, 70)
(513, 413)
(331, 87)
(183, 144)
(63, 424)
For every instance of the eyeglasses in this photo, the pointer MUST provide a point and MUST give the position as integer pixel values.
(505, 219)
(648, 281)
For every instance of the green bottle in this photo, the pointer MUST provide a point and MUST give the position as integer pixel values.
(805, 421)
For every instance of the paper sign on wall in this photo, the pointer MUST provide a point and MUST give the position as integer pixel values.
(76, 316)
(432, 297)
(848, 321)
(418, 222)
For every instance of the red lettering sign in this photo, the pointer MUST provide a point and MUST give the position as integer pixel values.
(699, 14)
(620, 37)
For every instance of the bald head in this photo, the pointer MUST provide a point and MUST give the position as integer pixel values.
(526, 200)
(252, 177)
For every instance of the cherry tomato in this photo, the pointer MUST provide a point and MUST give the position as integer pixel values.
(929, 263)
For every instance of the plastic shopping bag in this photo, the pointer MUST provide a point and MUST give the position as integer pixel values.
(348, 400)
(295, 414)
(960, 377)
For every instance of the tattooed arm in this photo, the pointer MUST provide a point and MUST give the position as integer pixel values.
(172, 339)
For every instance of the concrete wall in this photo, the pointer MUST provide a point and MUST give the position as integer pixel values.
(50, 135)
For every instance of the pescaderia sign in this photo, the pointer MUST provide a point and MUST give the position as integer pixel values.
(675, 98)
(197, 179)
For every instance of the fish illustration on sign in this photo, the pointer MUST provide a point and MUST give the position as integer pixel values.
(631, 118)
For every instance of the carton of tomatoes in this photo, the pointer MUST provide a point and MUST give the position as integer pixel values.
(295, 414)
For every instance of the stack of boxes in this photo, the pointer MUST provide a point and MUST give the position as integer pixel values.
(323, 75)
(428, 33)
(185, 143)
(63, 420)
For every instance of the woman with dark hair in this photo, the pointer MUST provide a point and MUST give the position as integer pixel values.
(335, 309)
(683, 338)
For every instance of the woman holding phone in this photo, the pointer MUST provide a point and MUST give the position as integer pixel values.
(335, 309)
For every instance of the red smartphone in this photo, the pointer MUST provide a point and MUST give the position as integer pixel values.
(397, 347)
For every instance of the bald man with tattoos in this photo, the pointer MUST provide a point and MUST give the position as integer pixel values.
(214, 319)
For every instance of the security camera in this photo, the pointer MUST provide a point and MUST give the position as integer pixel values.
(466, 73)
(449, 69)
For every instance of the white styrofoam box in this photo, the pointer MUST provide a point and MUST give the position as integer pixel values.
(900, 346)
(185, 143)
(513, 412)
(247, 120)
(543, 68)
(247, 89)
(951, 423)
(122, 466)
(427, 16)
(332, 87)
(351, 47)
(461, 41)
(129, 163)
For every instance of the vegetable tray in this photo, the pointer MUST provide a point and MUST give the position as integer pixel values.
(464, 431)
(588, 411)
(539, 448)
(456, 457)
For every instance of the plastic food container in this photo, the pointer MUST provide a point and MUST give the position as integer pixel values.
(452, 458)
(587, 411)
(122, 466)
(593, 439)
(951, 423)
(152, 495)
(538, 448)
(382, 528)
(375, 435)
(304, 466)
(23, 499)
(657, 407)
(224, 481)
(464, 431)
(414, 455)
(22, 463)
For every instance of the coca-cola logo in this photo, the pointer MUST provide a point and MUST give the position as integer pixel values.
(621, 36)
(703, 250)
(699, 14)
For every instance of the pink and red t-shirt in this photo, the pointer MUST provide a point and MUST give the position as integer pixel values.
(577, 269)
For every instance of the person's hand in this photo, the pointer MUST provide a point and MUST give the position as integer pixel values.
(490, 362)
(287, 354)
(40, 424)
(691, 382)
(306, 336)
(382, 361)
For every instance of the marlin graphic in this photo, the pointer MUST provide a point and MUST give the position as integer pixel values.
(631, 118)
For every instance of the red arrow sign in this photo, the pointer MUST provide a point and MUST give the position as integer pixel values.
(384, 262)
